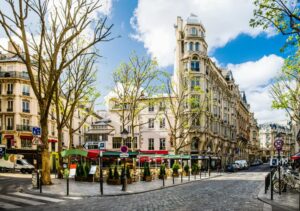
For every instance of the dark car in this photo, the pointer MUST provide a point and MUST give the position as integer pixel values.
(230, 168)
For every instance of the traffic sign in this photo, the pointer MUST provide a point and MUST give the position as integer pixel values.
(101, 145)
(278, 143)
(124, 149)
(36, 131)
(36, 141)
(124, 155)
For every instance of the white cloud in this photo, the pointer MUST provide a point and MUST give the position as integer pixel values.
(255, 78)
(224, 20)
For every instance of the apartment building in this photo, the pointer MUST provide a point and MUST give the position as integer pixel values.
(226, 130)
(267, 135)
(19, 112)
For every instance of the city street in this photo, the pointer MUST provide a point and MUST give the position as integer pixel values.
(237, 191)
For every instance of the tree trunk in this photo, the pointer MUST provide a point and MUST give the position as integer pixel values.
(60, 158)
(46, 176)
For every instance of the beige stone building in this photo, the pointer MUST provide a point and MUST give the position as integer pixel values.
(19, 112)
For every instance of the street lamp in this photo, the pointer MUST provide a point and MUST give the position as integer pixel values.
(124, 135)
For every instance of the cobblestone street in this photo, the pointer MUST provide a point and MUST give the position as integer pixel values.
(236, 191)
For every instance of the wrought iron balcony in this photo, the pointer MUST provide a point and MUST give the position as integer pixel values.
(10, 109)
(26, 93)
(26, 110)
(9, 127)
(24, 128)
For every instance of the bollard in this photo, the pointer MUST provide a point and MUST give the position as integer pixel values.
(163, 180)
(195, 175)
(41, 183)
(38, 179)
(271, 184)
(189, 176)
(200, 173)
(173, 179)
(67, 186)
(181, 176)
(101, 182)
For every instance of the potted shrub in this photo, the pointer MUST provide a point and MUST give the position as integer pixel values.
(195, 169)
(79, 173)
(187, 170)
(128, 175)
(147, 174)
(162, 172)
(175, 169)
(113, 179)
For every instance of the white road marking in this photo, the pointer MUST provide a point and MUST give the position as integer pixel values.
(72, 197)
(24, 201)
(44, 198)
(267, 207)
(8, 206)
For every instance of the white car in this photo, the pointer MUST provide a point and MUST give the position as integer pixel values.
(242, 163)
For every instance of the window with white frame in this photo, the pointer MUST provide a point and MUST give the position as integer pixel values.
(197, 46)
(151, 107)
(10, 88)
(162, 144)
(193, 31)
(191, 46)
(150, 144)
(25, 106)
(151, 123)
(162, 123)
(10, 105)
(25, 90)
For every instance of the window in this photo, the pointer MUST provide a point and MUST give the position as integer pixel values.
(195, 83)
(26, 143)
(162, 106)
(53, 130)
(10, 89)
(196, 122)
(10, 104)
(26, 90)
(127, 142)
(0, 88)
(186, 47)
(193, 31)
(9, 123)
(25, 124)
(117, 142)
(25, 106)
(190, 46)
(151, 107)
(195, 143)
(197, 46)
(195, 101)
(151, 123)
(150, 144)
(195, 66)
(162, 123)
(162, 144)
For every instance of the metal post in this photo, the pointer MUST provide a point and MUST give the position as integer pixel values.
(271, 184)
(200, 173)
(67, 185)
(181, 170)
(209, 161)
(163, 179)
(279, 173)
(173, 178)
(41, 183)
(124, 186)
(101, 175)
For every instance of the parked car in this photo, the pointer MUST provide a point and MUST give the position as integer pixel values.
(237, 166)
(15, 162)
(242, 163)
(231, 167)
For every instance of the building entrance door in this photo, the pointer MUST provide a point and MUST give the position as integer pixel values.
(8, 143)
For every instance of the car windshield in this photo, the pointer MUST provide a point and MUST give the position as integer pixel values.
(25, 162)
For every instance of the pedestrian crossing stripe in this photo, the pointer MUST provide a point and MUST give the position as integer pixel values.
(44, 198)
(8, 206)
(24, 201)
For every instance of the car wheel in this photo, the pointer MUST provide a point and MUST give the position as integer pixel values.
(23, 171)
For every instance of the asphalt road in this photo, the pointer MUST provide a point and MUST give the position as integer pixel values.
(237, 191)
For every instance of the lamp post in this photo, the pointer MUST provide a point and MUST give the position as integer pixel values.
(124, 135)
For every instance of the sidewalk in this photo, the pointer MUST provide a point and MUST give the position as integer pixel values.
(286, 201)
(86, 189)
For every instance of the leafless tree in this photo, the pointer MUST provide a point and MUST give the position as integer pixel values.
(47, 49)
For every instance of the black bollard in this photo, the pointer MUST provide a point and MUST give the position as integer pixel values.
(67, 185)
(200, 173)
(101, 182)
(271, 184)
(181, 176)
(41, 183)
(163, 180)
(173, 179)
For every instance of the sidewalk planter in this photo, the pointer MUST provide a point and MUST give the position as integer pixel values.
(175, 169)
(147, 174)
(161, 176)
(147, 178)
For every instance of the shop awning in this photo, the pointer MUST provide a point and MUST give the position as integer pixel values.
(26, 137)
(8, 136)
(296, 156)
(178, 157)
(117, 154)
(74, 152)
(52, 140)
(94, 153)
(160, 152)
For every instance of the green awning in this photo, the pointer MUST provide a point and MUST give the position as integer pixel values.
(117, 154)
(74, 152)
(185, 157)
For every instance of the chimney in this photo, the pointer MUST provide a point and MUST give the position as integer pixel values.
(12, 50)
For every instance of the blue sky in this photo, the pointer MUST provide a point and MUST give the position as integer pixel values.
(146, 27)
(238, 52)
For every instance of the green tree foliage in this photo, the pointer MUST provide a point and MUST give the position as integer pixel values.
(284, 15)
(286, 90)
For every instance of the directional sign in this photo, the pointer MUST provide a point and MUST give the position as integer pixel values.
(101, 145)
(2, 151)
(36, 131)
(124, 155)
(278, 143)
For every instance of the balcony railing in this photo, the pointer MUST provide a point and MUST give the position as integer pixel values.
(26, 110)
(9, 92)
(24, 128)
(9, 127)
(10, 109)
(26, 93)
(14, 74)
